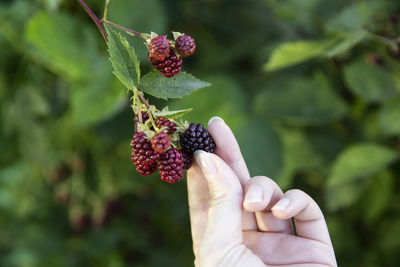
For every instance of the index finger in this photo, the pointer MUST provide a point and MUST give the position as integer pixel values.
(228, 148)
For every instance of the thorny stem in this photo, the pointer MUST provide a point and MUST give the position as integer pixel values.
(94, 18)
(122, 28)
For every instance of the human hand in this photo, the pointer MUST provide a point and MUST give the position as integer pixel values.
(238, 221)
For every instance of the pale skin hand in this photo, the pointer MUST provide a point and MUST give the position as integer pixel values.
(237, 221)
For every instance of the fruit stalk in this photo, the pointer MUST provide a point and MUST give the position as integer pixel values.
(122, 28)
(106, 9)
(94, 18)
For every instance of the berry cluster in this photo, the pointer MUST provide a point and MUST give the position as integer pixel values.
(164, 54)
(169, 149)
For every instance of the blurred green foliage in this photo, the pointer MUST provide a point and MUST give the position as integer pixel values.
(310, 87)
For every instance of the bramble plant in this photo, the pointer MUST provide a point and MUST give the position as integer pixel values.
(160, 142)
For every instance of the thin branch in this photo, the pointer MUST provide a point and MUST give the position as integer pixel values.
(143, 99)
(94, 18)
(122, 28)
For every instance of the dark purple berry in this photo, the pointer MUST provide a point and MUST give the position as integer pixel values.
(196, 137)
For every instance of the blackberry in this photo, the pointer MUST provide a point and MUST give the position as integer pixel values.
(146, 170)
(142, 152)
(187, 160)
(159, 47)
(185, 45)
(170, 166)
(145, 117)
(168, 67)
(165, 122)
(160, 142)
(196, 137)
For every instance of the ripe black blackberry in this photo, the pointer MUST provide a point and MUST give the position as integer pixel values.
(196, 137)
(185, 45)
(142, 151)
(159, 47)
(168, 67)
(160, 142)
(170, 166)
(165, 122)
(187, 160)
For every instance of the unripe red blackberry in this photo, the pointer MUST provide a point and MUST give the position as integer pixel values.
(165, 122)
(185, 45)
(142, 152)
(160, 142)
(168, 67)
(159, 47)
(187, 160)
(146, 170)
(170, 166)
(145, 117)
(196, 137)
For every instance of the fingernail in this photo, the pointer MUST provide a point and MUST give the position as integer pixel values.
(253, 195)
(215, 118)
(281, 204)
(206, 164)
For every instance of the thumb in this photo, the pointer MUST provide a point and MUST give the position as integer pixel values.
(224, 225)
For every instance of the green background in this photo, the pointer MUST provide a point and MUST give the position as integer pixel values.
(323, 116)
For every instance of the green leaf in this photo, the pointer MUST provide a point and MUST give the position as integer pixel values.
(299, 155)
(97, 99)
(123, 59)
(299, 100)
(360, 161)
(62, 44)
(389, 117)
(292, 53)
(353, 168)
(207, 105)
(174, 113)
(355, 16)
(178, 86)
(370, 82)
(138, 18)
(348, 42)
(255, 145)
(344, 195)
(376, 199)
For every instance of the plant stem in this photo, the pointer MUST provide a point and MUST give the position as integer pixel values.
(386, 41)
(94, 18)
(122, 28)
(143, 99)
(106, 9)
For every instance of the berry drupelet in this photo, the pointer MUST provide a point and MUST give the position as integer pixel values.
(159, 47)
(160, 142)
(185, 45)
(165, 122)
(146, 170)
(187, 160)
(168, 67)
(196, 137)
(142, 152)
(170, 166)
